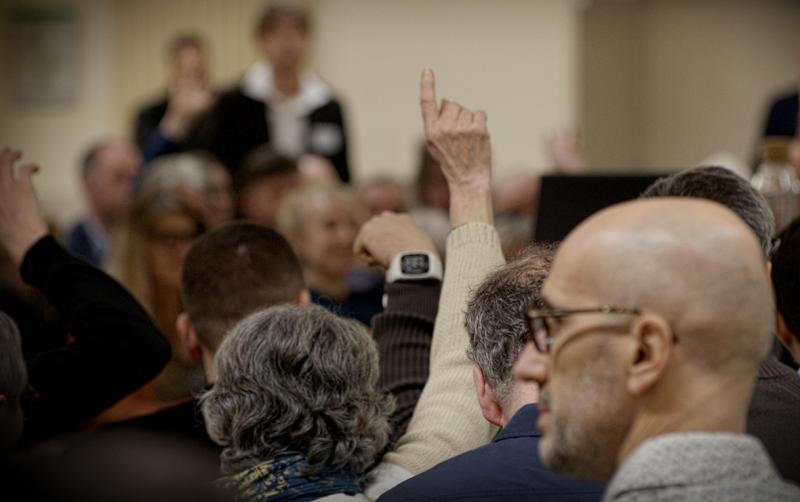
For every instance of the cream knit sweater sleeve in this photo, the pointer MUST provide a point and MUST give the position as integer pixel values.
(447, 420)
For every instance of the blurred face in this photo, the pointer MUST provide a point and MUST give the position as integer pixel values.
(326, 241)
(585, 412)
(189, 63)
(170, 239)
(384, 196)
(285, 45)
(262, 198)
(109, 184)
(219, 207)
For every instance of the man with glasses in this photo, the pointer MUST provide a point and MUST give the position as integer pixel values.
(647, 350)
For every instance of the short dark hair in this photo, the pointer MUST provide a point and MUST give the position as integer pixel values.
(278, 11)
(725, 187)
(786, 276)
(234, 271)
(263, 162)
(184, 40)
(496, 320)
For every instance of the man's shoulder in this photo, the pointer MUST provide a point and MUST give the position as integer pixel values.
(507, 469)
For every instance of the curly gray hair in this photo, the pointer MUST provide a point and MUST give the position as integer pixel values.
(495, 318)
(298, 379)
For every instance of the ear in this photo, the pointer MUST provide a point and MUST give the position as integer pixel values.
(781, 331)
(654, 340)
(188, 337)
(303, 298)
(486, 398)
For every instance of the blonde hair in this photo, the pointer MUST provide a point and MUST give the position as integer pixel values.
(131, 240)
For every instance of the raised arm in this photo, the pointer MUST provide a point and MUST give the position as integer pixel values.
(448, 420)
(116, 348)
(403, 331)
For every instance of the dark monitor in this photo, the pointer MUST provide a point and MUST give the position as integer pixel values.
(566, 200)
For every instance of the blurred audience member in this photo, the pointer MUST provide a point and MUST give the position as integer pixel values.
(435, 223)
(196, 177)
(786, 282)
(517, 193)
(278, 103)
(515, 233)
(109, 172)
(383, 193)
(263, 181)
(296, 406)
(320, 221)
(509, 468)
(781, 118)
(150, 246)
(114, 348)
(627, 354)
(316, 169)
(174, 123)
(431, 185)
(13, 381)
(774, 413)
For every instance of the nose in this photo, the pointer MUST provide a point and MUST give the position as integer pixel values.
(531, 365)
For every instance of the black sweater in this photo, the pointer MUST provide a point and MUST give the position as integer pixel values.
(115, 348)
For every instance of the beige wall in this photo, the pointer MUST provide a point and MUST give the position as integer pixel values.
(55, 135)
(667, 82)
(516, 59)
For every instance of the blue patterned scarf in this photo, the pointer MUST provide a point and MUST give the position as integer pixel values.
(284, 478)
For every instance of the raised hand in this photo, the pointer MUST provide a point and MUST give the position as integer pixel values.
(21, 223)
(459, 141)
(385, 236)
(189, 100)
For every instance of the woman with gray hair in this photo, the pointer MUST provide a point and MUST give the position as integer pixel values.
(296, 406)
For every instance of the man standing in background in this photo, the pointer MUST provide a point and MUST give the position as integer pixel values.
(278, 104)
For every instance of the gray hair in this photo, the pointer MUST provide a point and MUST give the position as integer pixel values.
(298, 379)
(180, 170)
(495, 318)
(727, 188)
(13, 373)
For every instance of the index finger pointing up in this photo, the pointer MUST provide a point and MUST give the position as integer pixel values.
(427, 97)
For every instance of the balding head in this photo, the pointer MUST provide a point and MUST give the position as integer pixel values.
(692, 261)
(687, 321)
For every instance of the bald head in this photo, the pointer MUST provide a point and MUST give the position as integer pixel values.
(691, 261)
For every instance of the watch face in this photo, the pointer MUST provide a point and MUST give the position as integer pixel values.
(415, 264)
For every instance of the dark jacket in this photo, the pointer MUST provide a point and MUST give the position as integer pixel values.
(507, 469)
(115, 346)
(782, 117)
(774, 416)
(239, 124)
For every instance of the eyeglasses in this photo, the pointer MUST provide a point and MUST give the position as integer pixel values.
(541, 322)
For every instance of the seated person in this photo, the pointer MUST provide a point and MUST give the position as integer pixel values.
(263, 181)
(509, 467)
(646, 372)
(295, 405)
(320, 221)
(109, 171)
(151, 244)
(114, 347)
(196, 177)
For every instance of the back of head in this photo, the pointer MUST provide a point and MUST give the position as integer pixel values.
(725, 187)
(178, 171)
(692, 262)
(786, 277)
(13, 379)
(233, 271)
(495, 318)
(298, 380)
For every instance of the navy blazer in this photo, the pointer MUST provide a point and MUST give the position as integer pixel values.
(507, 469)
(782, 118)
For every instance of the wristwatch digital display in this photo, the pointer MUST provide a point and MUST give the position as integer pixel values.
(414, 266)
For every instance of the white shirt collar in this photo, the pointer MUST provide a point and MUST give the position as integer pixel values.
(257, 84)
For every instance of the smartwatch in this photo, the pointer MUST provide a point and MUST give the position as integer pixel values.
(414, 266)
